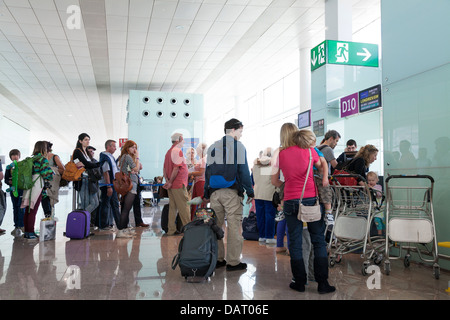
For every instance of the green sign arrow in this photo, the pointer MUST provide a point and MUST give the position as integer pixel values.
(344, 53)
(352, 53)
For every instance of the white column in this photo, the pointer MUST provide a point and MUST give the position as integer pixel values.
(305, 79)
(338, 20)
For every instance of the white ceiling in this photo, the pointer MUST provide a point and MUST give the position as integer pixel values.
(58, 82)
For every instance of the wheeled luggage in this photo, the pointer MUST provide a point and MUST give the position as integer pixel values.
(198, 249)
(78, 224)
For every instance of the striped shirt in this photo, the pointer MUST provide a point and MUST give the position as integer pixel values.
(42, 167)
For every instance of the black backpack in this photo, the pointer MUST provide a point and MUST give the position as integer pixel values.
(250, 227)
(198, 250)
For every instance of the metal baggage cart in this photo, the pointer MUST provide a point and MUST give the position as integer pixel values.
(354, 212)
(410, 223)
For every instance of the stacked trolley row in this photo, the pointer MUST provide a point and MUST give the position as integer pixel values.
(355, 208)
(410, 224)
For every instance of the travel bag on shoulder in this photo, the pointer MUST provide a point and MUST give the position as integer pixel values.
(71, 171)
(309, 213)
(122, 182)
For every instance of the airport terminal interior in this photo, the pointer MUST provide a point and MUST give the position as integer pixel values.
(376, 71)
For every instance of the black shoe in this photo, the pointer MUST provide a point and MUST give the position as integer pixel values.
(221, 264)
(324, 287)
(239, 266)
(297, 286)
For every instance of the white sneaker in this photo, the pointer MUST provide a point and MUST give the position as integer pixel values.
(130, 230)
(123, 234)
(196, 201)
(271, 241)
(17, 232)
(262, 239)
(279, 216)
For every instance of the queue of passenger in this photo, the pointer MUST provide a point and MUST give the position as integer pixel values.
(216, 183)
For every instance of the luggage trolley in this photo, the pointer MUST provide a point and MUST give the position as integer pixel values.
(354, 213)
(410, 220)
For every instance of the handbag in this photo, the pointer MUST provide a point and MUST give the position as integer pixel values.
(71, 171)
(309, 213)
(122, 182)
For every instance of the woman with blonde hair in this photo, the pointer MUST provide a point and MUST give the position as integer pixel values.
(295, 162)
(363, 159)
(128, 163)
(286, 134)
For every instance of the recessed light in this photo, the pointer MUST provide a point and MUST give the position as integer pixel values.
(179, 27)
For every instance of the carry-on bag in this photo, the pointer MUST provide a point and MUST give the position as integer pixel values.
(78, 224)
(250, 227)
(198, 250)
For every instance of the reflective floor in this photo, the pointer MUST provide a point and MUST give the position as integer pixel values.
(103, 267)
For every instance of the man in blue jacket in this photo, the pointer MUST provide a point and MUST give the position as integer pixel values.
(227, 177)
(109, 202)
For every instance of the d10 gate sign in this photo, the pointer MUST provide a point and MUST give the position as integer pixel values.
(349, 105)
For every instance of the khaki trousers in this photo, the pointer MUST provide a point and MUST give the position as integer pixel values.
(227, 203)
(178, 199)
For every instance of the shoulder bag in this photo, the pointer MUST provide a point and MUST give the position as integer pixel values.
(71, 171)
(122, 182)
(309, 213)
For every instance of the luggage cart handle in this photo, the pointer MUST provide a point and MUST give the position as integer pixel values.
(419, 176)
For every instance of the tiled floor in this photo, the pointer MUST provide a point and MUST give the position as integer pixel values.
(103, 267)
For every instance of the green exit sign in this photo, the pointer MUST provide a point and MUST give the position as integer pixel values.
(344, 53)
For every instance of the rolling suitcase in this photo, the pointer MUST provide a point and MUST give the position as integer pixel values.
(78, 224)
(198, 249)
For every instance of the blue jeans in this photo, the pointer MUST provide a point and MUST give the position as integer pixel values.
(281, 232)
(265, 218)
(295, 229)
(18, 213)
(109, 209)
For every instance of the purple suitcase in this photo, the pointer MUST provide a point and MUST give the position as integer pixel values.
(78, 224)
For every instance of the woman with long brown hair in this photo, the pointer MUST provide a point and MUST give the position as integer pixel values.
(128, 163)
(32, 198)
(85, 199)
